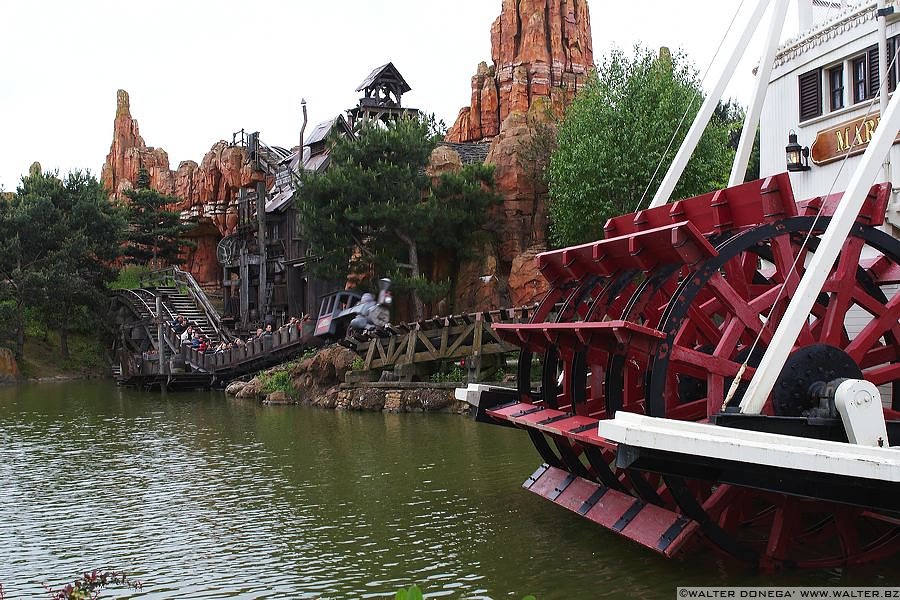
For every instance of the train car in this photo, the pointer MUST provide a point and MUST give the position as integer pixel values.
(335, 313)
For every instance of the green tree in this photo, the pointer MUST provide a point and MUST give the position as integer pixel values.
(57, 238)
(156, 234)
(615, 134)
(731, 115)
(375, 210)
(79, 277)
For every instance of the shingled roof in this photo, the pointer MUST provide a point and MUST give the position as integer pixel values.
(470, 152)
(388, 72)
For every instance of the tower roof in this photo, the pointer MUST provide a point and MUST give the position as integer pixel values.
(384, 74)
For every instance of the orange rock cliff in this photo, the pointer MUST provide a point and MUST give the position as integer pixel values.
(542, 53)
(206, 191)
(540, 48)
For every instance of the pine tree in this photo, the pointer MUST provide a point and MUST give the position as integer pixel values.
(155, 232)
(375, 211)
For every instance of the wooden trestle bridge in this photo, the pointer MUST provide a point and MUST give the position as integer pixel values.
(412, 349)
(150, 355)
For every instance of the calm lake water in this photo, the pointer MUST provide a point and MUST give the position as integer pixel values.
(203, 497)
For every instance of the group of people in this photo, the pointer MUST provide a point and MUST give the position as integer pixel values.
(191, 335)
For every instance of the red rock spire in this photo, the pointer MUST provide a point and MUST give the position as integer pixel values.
(540, 48)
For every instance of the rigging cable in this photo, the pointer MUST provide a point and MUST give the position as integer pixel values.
(687, 109)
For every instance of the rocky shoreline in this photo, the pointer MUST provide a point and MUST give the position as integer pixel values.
(319, 381)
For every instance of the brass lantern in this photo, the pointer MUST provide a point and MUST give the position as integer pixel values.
(797, 156)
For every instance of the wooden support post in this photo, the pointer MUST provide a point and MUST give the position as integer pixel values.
(243, 265)
(411, 338)
(370, 355)
(262, 309)
(473, 371)
(160, 332)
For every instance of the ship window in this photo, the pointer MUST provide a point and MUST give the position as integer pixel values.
(859, 79)
(810, 94)
(836, 85)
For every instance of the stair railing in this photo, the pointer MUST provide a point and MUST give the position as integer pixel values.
(212, 315)
(196, 292)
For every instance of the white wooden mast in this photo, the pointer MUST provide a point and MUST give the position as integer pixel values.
(820, 266)
(664, 193)
(763, 75)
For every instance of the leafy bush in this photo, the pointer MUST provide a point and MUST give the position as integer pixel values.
(89, 585)
(358, 364)
(455, 374)
(278, 381)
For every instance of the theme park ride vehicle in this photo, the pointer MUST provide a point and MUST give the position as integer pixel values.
(347, 310)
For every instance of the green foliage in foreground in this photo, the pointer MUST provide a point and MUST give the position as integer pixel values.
(618, 130)
(88, 586)
(415, 593)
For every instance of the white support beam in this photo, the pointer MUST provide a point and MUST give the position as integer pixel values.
(709, 105)
(822, 261)
(763, 74)
(753, 447)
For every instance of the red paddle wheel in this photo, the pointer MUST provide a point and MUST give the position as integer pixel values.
(658, 319)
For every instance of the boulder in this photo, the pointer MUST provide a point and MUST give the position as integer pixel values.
(278, 397)
(314, 377)
(443, 159)
(9, 368)
(251, 391)
(234, 388)
(526, 284)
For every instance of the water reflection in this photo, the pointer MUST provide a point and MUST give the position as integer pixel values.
(202, 497)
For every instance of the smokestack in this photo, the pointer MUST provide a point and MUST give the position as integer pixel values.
(302, 131)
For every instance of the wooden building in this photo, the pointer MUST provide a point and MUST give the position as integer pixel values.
(268, 281)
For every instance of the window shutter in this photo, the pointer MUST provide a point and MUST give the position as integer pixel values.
(892, 66)
(810, 94)
(873, 72)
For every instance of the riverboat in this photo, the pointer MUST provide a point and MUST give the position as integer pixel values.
(725, 369)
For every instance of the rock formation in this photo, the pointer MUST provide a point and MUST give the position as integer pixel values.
(206, 192)
(542, 53)
(540, 48)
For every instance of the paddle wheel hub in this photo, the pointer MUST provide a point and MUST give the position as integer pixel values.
(808, 368)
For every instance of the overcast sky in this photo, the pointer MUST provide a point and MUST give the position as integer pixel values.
(198, 70)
